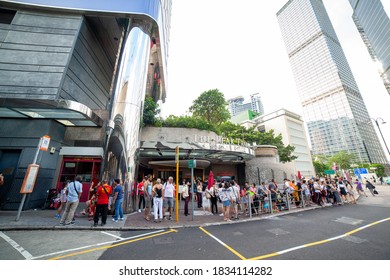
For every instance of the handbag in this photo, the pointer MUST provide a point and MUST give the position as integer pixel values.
(208, 196)
(376, 192)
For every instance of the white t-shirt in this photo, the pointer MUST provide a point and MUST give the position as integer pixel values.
(168, 189)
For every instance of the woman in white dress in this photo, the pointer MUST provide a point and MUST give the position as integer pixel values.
(205, 200)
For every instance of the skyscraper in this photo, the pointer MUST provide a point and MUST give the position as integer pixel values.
(333, 108)
(237, 105)
(373, 25)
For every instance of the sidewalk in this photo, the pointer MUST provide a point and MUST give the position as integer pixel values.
(44, 219)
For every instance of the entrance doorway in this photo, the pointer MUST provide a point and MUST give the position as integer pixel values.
(87, 168)
(9, 160)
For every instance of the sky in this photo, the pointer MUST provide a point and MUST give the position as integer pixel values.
(237, 47)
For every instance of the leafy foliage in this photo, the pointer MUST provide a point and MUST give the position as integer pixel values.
(151, 111)
(188, 122)
(211, 106)
(342, 159)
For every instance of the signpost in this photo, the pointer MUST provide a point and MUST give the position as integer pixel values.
(177, 155)
(32, 173)
(192, 165)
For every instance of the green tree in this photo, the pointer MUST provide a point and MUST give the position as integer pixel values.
(151, 111)
(342, 159)
(211, 106)
(187, 122)
(378, 168)
(320, 168)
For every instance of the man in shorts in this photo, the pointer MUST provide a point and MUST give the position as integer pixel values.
(169, 192)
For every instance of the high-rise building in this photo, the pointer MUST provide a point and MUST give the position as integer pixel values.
(373, 25)
(79, 73)
(237, 105)
(333, 108)
(292, 129)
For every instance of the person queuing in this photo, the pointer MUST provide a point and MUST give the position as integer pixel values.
(74, 192)
(118, 201)
(103, 193)
(158, 198)
(186, 195)
(169, 194)
(214, 198)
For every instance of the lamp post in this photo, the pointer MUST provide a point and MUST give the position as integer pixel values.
(380, 131)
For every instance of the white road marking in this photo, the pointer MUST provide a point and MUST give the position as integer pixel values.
(95, 245)
(16, 246)
(113, 235)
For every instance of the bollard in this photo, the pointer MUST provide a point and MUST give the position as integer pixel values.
(270, 204)
(250, 205)
(302, 200)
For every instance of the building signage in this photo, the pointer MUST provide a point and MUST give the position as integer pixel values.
(219, 140)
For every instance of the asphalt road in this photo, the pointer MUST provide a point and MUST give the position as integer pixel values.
(350, 232)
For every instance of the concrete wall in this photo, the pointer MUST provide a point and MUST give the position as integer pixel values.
(26, 139)
(34, 52)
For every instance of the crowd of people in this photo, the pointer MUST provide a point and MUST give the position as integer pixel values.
(101, 198)
(156, 198)
(230, 200)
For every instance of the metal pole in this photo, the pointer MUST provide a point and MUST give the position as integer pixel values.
(177, 191)
(270, 202)
(302, 199)
(24, 195)
(193, 193)
(250, 205)
(380, 131)
(288, 201)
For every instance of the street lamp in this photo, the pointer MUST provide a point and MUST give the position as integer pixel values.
(380, 131)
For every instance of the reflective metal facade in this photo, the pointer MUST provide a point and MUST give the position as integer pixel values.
(334, 111)
(373, 25)
(107, 56)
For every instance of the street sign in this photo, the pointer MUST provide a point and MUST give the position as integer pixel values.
(44, 143)
(29, 179)
(329, 172)
(192, 163)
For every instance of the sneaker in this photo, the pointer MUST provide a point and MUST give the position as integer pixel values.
(120, 219)
(139, 210)
(62, 223)
(57, 216)
(95, 224)
(115, 221)
(102, 224)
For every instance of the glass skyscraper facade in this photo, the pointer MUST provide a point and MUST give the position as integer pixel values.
(333, 108)
(373, 25)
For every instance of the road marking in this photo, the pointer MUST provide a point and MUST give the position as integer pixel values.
(94, 245)
(113, 235)
(319, 242)
(223, 244)
(16, 246)
(113, 245)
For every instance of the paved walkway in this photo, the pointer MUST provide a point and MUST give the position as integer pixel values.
(45, 220)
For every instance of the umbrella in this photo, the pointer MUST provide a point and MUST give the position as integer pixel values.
(210, 181)
(299, 175)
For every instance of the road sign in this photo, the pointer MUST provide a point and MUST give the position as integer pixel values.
(29, 179)
(192, 163)
(329, 172)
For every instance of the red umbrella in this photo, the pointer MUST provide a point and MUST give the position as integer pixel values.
(210, 181)
(299, 175)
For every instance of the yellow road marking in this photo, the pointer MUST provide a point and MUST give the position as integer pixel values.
(318, 242)
(113, 245)
(224, 244)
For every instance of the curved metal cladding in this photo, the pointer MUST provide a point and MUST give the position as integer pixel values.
(158, 10)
